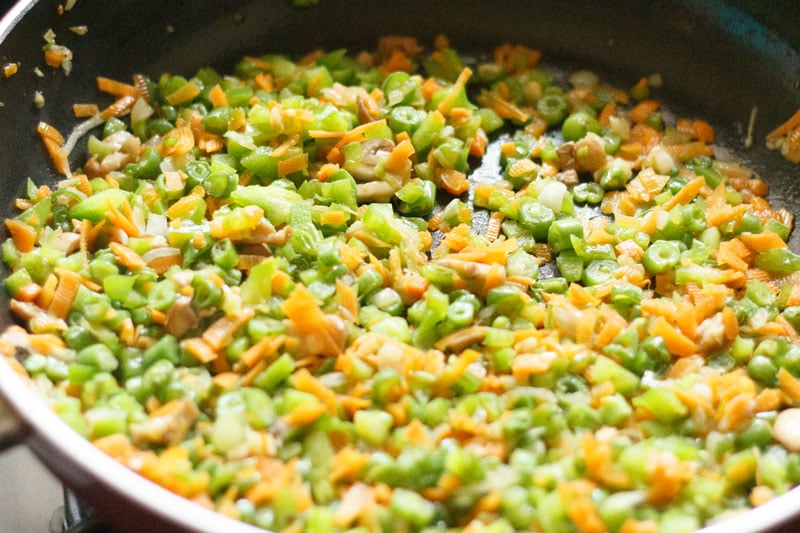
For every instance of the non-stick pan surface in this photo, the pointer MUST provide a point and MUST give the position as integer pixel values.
(715, 59)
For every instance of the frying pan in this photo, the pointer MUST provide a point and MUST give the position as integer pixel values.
(718, 61)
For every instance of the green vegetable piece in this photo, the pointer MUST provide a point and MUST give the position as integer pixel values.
(94, 207)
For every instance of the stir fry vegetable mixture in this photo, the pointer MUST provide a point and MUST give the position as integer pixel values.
(266, 293)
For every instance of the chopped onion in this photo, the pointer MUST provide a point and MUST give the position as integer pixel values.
(553, 196)
(156, 225)
(80, 130)
(140, 111)
(158, 253)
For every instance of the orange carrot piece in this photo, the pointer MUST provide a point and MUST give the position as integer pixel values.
(126, 256)
(765, 240)
(676, 342)
(304, 413)
(686, 151)
(292, 164)
(199, 349)
(687, 193)
(68, 283)
(453, 181)
(445, 106)
(786, 127)
(643, 109)
(22, 234)
(609, 110)
(185, 93)
(398, 159)
(266, 347)
(226, 380)
(85, 110)
(717, 215)
(219, 334)
(217, 96)
(178, 141)
(789, 384)
(117, 88)
(120, 106)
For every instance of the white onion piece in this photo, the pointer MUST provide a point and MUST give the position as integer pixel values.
(80, 130)
(141, 111)
(156, 225)
(553, 196)
(158, 253)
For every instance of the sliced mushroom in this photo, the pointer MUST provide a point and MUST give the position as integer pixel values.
(181, 317)
(264, 232)
(568, 177)
(375, 191)
(167, 425)
(711, 334)
(590, 152)
(373, 151)
(566, 156)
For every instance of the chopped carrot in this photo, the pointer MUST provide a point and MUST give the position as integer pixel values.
(302, 380)
(185, 93)
(676, 342)
(453, 181)
(117, 88)
(789, 384)
(503, 107)
(85, 110)
(119, 107)
(265, 82)
(766, 240)
(53, 141)
(226, 380)
(199, 349)
(717, 215)
(786, 127)
(643, 109)
(686, 151)
(609, 110)
(304, 413)
(646, 185)
(445, 106)
(178, 141)
(398, 159)
(220, 333)
(217, 96)
(632, 525)
(686, 194)
(266, 347)
(480, 141)
(68, 283)
(126, 256)
(23, 235)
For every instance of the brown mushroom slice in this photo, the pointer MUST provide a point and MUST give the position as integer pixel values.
(181, 317)
(590, 152)
(375, 191)
(167, 425)
(373, 151)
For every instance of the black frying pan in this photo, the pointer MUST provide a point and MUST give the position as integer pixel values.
(717, 61)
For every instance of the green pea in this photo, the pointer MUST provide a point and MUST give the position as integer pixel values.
(577, 125)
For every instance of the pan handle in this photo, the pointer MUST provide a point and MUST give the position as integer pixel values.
(11, 429)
